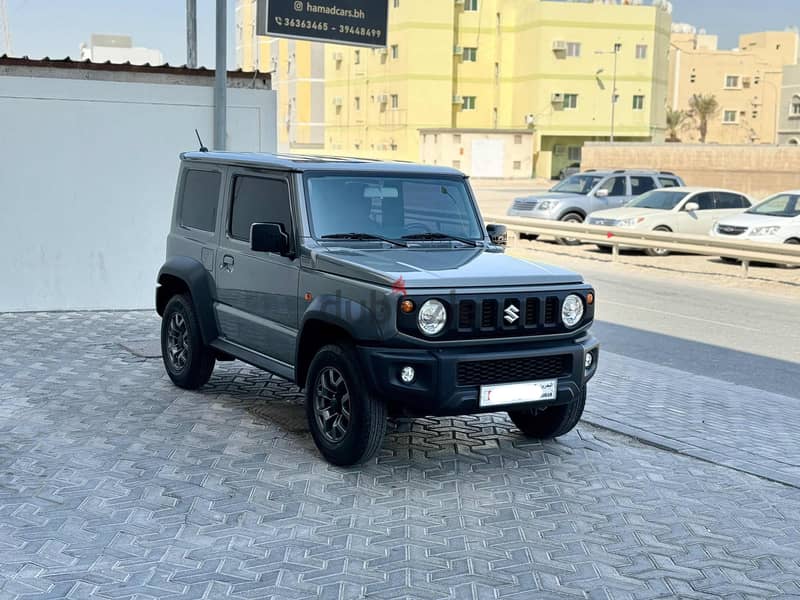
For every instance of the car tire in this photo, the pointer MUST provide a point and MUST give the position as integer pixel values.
(347, 422)
(570, 218)
(188, 362)
(550, 422)
(659, 252)
(530, 237)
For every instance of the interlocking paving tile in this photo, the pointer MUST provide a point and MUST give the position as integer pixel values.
(116, 484)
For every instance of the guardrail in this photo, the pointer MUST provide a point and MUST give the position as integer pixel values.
(745, 251)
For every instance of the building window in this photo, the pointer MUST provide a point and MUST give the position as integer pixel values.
(517, 165)
(638, 103)
(574, 153)
(395, 52)
(573, 49)
(395, 101)
(358, 102)
(693, 77)
(456, 138)
(729, 116)
(470, 54)
(469, 103)
(795, 110)
(396, 3)
(732, 81)
(357, 57)
(456, 164)
(471, 5)
(641, 51)
(517, 139)
(570, 101)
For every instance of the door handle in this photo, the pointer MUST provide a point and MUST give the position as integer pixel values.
(227, 263)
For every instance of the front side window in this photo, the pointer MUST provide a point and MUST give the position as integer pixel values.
(390, 207)
(704, 201)
(615, 186)
(199, 200)
(258, 200)
(641, 185)
(577, 184)
(659, 200)
(782, 205)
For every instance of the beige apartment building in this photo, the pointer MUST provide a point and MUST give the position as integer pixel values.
(746, 82)
(789, 118)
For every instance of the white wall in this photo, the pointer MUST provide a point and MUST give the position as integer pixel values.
(87, 180)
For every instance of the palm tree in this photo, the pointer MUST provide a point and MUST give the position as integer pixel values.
(703, 108)
(676, 120)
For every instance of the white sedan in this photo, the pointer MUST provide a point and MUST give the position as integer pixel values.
(776, 220)
(678, 209)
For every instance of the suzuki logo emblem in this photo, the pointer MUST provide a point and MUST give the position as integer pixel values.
(512, 314)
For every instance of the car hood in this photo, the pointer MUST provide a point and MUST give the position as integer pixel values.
(550, 196)
(751, 220)
(438, 268)
(625, 213)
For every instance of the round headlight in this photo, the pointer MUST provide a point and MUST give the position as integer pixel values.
(572, 310)
(432, 317)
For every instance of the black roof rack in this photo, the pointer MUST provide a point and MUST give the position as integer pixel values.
(666, 173)
(620, 171)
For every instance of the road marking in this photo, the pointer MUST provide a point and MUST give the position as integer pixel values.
(672, 314)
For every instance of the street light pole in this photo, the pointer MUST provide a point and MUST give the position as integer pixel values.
(191, 34)
(614, 91)
(221, 76)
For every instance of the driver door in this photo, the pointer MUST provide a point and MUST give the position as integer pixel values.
(617, 188)
(701, 220)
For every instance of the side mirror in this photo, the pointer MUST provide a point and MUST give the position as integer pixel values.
(498, 234)
(601, 194)
(691, 207)
(269, 237)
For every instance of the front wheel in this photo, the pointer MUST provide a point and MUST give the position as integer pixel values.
(549, 422)
(658, 251)
(574, 218)
(189, 363)
(346, 422)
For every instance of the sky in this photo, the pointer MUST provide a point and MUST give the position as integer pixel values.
(56, 28)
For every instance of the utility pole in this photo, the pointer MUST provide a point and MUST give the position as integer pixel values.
(191, 34)
(614, 95)
(220, 80)
(4, 25)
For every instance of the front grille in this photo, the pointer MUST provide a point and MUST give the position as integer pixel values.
(466, 315)
(730, 230)
(531, 312)
(488, 372)
(525, 204)
(603, 222)
(489, 314)
(550, 309)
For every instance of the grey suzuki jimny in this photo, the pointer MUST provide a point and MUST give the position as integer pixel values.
(373, 286)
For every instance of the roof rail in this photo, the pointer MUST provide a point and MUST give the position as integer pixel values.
(666, 173)
(620, 171)
(590, 170)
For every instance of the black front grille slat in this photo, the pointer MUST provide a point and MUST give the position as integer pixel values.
(731, 230)
(489, 314)
(488, 372)
(531, 312)
(466, 315)
(550, 309)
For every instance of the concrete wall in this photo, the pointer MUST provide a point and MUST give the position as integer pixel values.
(87, 179)
(755, 170)
(503, 154)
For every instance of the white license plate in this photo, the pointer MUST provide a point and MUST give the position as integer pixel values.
(517, 393)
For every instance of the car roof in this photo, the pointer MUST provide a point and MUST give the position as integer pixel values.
(302, 163)
(606, 172)
(697, 189)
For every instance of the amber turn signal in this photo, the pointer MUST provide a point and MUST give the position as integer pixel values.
(407, 306)
(589, 298)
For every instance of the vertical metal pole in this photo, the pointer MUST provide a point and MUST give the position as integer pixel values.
(220, 81)
(614, 93)
(191, 34)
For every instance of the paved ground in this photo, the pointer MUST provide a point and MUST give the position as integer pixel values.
(114, 484)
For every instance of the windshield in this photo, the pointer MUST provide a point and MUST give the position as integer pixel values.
(782, 205)
(578, 184)
(391, 207)
(658, 200)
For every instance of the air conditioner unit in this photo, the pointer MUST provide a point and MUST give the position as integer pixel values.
(337, 101)
(458, 99)
(338, 56)
(459, 2)
(559, 46)
(557, 98)
(458, 50)
(382, 99)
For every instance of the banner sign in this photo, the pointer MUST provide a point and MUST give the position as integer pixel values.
(355, 22)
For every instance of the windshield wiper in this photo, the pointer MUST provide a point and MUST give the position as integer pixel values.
(432, 235)
(363, 237)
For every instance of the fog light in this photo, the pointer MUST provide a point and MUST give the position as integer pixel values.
(407, 375)
(588, 361)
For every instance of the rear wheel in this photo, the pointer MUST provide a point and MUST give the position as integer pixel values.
(570, 218)
(658, 251)
(346, 422)
(188, 362)
(549, 422)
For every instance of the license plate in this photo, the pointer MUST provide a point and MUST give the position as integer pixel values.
(517, 393)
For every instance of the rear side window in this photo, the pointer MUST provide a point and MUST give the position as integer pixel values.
(726, 200)
(259, 200)
(199, 200)
(705, 201)
(642, 185)
(668, 182)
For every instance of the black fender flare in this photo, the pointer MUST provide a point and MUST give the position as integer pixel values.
(198, 281)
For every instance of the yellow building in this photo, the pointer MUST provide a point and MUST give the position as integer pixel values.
(746, 82)
(481, 75)
(298, 76)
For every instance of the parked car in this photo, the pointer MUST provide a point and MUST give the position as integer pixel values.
(680, 209)
(580, 195)
(373, 286)
(569, 170)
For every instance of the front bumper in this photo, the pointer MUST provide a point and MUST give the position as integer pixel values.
(535, 213)
(438, 389)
